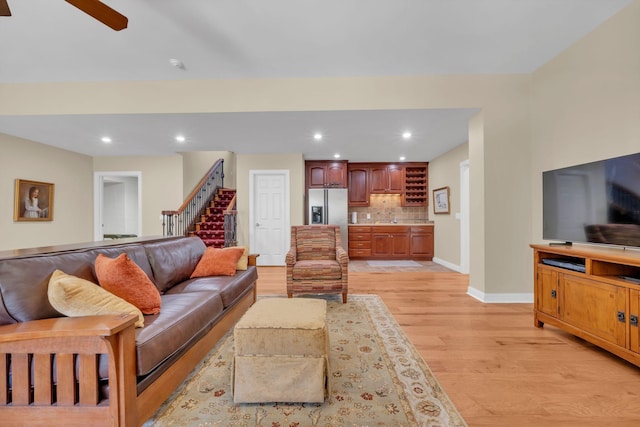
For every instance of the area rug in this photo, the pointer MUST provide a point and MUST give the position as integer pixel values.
(377, 379)
(393, 264)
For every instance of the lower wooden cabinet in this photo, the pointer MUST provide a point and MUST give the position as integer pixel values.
(421, 244)
(587, 292)
(391, 242)
(359, 242)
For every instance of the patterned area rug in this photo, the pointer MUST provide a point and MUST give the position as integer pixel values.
(377, 379)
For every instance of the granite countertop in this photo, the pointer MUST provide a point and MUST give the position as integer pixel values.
(405, 223)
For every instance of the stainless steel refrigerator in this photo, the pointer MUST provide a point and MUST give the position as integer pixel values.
(330, 206)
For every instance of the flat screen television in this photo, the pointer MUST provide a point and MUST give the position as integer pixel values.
(596, 202)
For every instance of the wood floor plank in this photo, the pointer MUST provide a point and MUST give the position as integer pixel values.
(497, 368)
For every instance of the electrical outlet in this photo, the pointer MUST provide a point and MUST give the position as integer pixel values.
(368, 215)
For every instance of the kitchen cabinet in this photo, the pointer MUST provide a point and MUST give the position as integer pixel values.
(358, 179)
(421, 242)
(416, 185)
(592, 293)
(326, 173)
(359, 241)
(390, 241)
(386, 179)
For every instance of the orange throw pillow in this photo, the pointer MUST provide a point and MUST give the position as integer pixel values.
(218, 262)
(123, 277)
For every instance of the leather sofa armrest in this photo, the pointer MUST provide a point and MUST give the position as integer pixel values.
(252, 259)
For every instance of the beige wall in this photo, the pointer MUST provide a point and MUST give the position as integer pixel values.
(72, 175)
(161, 184)
(582, 106)
(195, 164)
(245, 163)
(445, 172)
(502, 157)
(586, 102)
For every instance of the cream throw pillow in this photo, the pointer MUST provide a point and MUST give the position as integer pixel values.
(243, 262)
(74, 297)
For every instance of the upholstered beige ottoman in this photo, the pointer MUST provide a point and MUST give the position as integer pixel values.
(281, 352)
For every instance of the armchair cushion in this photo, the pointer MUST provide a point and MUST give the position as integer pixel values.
(317, 269)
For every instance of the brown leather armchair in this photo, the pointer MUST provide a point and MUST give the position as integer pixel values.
(317, 263)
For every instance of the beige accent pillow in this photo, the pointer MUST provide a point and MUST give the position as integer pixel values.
(74, 297)
(243, 262)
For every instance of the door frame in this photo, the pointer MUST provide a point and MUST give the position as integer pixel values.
(98, 193)
(464, 218)
(286, 206)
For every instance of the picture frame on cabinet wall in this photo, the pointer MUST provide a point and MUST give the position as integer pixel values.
(441, 200)
(33, 201)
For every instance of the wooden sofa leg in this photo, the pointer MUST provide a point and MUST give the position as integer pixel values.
(289, 294)
(344, 298)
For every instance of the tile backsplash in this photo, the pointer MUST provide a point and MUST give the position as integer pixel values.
(384, 208)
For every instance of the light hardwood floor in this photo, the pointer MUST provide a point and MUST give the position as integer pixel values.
(497, 368)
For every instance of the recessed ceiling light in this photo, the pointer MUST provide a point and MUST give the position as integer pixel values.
(406, 135)
(336, 156)
(106, 140)
(180, 138)
(317, 136)
(402, 158)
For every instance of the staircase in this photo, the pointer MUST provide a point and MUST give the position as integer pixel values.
(208, 212)
(211, 226)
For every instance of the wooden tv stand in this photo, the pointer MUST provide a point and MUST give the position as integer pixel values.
(597, 305)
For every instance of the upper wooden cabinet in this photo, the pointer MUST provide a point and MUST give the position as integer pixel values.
(386, 178)
(358, 185)
(329, 173)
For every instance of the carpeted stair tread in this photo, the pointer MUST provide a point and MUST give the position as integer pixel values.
(211, 226)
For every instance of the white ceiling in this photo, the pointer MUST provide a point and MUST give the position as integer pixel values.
(51, 41)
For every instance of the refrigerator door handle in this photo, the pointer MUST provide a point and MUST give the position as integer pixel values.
(325, 218)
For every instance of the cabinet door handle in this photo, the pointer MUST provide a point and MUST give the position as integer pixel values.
(554, 293)
(633, 320)
(621, 316)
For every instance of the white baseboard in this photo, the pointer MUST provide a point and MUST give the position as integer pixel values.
(500, 298)
(447, 264)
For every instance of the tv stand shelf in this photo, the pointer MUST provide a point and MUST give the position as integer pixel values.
(600, 304)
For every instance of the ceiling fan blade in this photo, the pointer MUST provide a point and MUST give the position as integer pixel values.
(4, 8)
(102, 13)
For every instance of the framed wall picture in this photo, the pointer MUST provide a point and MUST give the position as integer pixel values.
(441, 200)
(33, 201)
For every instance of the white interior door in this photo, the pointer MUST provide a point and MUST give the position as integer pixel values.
(117, 203)
(269, 215)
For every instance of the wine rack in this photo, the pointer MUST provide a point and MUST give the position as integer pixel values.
(416, 185)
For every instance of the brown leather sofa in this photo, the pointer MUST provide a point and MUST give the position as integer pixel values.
(100, 370)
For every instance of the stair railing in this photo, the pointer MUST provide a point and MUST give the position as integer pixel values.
(179, 222)
(230, 224)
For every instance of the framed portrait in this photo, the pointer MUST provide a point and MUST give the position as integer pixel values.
(441, 200)
(33, 201)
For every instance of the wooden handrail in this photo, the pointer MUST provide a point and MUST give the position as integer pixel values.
(231, 206)
(198, 186)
